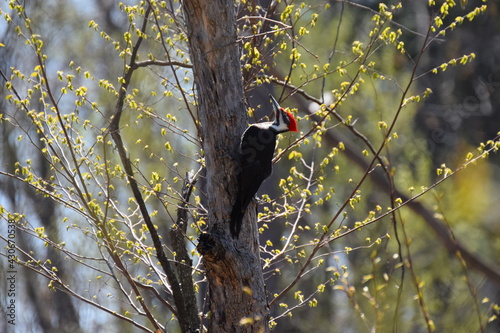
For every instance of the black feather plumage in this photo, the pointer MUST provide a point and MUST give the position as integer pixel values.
(256, 160)
(256, 154)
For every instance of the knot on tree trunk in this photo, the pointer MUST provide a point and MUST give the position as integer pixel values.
(210, 247)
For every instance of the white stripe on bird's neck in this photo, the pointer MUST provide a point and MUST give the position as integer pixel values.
(279, 124)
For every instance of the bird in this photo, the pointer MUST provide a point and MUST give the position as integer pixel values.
(255, 159)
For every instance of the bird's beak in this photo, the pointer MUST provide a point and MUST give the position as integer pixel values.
(276, 107)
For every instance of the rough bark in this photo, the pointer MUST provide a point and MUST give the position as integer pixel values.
(237, 297)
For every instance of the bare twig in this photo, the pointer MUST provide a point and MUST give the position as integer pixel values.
(184, 262)
(167, 53)
(146, 63)
(33, 264)
(114, 130)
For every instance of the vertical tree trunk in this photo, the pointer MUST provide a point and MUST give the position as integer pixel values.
(237, 294)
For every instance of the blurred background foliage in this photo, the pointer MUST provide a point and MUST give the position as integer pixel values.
(392, 275)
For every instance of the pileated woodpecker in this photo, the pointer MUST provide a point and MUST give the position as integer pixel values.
(256, 154)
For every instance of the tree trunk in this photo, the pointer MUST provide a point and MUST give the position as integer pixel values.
(237, 296)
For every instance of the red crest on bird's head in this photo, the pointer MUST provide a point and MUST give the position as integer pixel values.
(284, 120)
(292, 126)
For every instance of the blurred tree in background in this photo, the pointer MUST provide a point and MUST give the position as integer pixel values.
(381, 214)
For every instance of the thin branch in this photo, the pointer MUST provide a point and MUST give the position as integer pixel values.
(300, 210)
(184, 262)
(167, 53)
(47, 273)
(114, 130)
(368, 171)
(247, 17)
(146, 63)
(490, 270)
(332, 53)
(402, 26)
(465, 271)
